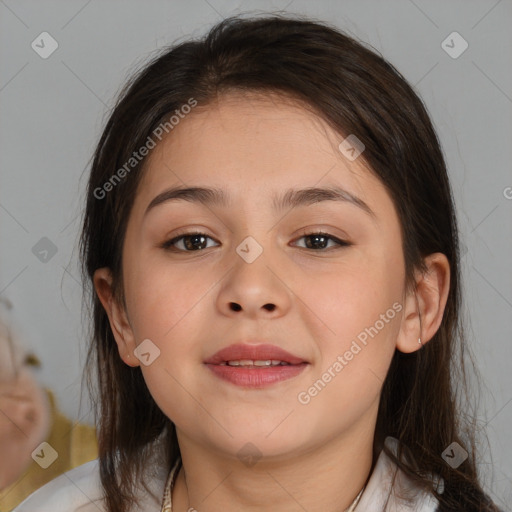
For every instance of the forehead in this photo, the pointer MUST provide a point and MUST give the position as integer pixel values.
(258, 142)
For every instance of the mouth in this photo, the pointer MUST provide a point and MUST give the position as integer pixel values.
(255, 366)
(248, 363)
(263, 355)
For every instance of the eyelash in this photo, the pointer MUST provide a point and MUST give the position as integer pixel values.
(168, 245)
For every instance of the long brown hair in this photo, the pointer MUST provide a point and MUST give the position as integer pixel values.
(357, 92)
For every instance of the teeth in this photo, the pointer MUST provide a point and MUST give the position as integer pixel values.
(250, 362)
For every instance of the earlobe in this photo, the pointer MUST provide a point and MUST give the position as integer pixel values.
(424, 307)
(118, 320)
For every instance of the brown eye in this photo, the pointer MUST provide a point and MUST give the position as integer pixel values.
(319, 241)
(187, 242)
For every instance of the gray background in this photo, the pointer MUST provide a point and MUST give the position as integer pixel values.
(53, 110)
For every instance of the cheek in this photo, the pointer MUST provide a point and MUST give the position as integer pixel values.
(359, 307)
(163, 298)
(355, 354)
(354, 295)
(167, 309)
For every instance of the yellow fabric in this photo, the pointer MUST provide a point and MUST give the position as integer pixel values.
(75, 444)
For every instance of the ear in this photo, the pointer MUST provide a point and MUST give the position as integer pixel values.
(117, 316)
(424, 307)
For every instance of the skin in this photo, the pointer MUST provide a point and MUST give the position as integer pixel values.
(254, 146)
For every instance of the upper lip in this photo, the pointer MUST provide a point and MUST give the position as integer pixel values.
(261, 352)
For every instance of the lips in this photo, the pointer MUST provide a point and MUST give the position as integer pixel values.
(262, 352)
(250, 374)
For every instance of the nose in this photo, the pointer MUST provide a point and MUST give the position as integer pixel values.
(255, 289)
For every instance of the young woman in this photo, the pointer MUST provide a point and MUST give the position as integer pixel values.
(272, 243)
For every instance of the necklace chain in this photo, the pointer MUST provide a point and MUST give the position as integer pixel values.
(167, 498)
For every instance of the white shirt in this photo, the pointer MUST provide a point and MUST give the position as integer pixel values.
(79, 490)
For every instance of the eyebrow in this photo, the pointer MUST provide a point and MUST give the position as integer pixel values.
(292, 198)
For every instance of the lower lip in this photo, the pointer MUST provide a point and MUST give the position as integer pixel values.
(256, 377)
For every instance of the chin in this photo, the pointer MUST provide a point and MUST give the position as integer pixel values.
(270, 444)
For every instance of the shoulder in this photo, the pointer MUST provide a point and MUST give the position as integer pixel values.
(76, 490)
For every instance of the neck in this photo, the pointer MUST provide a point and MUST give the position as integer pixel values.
(327, 477)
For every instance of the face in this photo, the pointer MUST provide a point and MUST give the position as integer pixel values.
(260, 274)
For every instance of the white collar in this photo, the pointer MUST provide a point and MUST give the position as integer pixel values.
(379, 489)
